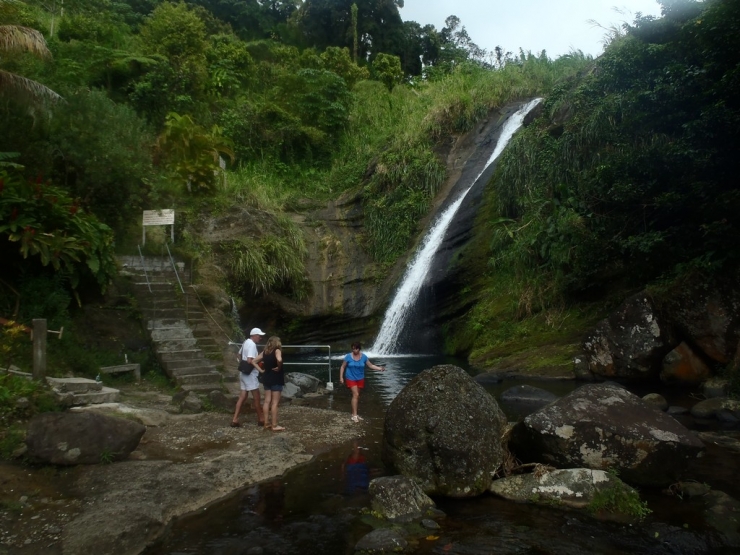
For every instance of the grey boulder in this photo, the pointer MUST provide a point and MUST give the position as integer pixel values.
(444, 431)
(602, 428)
(67, 438)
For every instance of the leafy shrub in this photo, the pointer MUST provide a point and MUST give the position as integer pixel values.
(41, 221)
(106, 165)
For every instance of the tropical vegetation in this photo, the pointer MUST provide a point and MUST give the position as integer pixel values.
(626, 177)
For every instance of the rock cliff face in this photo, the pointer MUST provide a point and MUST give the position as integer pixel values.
(348, 291)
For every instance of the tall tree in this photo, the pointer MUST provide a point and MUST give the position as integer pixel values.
(253, 19)
(329, 23)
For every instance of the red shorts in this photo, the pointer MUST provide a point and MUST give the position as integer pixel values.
(359, 383)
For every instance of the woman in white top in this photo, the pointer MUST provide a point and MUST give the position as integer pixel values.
(248, 377)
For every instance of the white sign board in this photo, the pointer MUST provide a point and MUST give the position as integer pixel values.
(158, 217)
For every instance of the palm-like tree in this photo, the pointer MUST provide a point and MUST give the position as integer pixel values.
(14, 38)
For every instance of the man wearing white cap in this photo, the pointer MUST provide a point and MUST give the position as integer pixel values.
(248, 376)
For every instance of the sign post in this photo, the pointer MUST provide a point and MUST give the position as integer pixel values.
(158, 217)
(39, 348)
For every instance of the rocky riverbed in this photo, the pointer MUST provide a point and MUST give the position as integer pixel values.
(184, 464)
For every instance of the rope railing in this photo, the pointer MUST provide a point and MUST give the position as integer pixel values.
(230, 341)
(174, 267)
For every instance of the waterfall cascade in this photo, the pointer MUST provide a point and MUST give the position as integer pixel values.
(400, 308)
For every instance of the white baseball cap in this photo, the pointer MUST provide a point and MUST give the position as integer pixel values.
(257, 331)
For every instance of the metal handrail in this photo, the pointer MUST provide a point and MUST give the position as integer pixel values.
(172, 260)
(143, 266)
(329, 384)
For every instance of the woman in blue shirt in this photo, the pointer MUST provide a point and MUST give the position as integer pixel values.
(354, 363)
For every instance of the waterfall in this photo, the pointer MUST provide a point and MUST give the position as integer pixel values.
(235, 317)
(395, 317)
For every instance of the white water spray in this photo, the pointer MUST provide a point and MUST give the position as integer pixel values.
(395, 317)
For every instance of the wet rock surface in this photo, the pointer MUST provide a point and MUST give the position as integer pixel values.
(604, 427)
(181, 465)
(529, 395)
(398, 498)
(572, 487)
(630, 343)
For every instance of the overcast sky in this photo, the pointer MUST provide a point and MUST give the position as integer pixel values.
(557, 26)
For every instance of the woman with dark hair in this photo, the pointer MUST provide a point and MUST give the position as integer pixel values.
(273, 380)
(354, 363)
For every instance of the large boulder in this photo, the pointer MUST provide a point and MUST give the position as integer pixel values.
(444, 431)
(69, 438)
(306, 382)
(712, 408)
(707, 313)
(630, 343)
(605, 427)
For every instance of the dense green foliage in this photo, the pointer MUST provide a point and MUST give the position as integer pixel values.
(631, 173)
(626, 176)
(280, 85)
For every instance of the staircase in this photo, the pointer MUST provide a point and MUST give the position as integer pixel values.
(176, 323)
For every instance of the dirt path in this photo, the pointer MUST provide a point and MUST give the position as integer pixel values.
(184, 463)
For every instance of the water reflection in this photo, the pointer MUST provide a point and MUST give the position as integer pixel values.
(317, 508)
(355, 471)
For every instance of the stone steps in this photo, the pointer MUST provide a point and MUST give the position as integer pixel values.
(181, 355)
(73, 392)
(177, 325)
(189, 365)
(164, 313)
(175, 345)
(208, 378)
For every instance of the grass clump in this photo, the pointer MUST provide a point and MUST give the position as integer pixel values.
(20, 399)
(619, 499)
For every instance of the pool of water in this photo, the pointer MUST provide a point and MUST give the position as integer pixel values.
(317, 508)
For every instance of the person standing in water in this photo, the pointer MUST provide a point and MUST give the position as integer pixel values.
(354, 363)
(248, 377)
(273, 380)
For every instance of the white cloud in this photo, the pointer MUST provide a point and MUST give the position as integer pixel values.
(557, 26)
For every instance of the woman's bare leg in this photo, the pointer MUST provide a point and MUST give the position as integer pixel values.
(275, 403)
(266, 406)
(355, 399)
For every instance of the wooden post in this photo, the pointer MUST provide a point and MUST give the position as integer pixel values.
(39, 348)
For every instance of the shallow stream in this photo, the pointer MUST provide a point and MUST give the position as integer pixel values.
(317, 508)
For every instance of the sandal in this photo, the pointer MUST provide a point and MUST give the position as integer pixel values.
(278, 429)
(236, 425)
(268, 427)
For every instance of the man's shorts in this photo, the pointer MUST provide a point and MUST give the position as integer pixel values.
(359, 383)
(249, 382)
